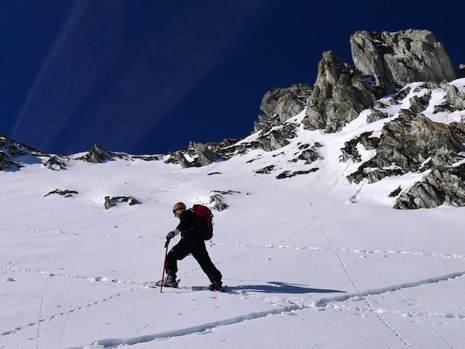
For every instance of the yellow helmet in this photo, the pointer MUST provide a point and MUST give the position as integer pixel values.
(179, 206)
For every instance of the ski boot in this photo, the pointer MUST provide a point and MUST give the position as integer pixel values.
(215, 286)
(170, 281)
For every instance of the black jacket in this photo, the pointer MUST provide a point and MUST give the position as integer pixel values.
(187, 223)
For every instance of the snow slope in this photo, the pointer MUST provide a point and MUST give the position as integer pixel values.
(310, 261)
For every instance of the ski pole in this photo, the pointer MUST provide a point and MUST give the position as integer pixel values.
(164, 265)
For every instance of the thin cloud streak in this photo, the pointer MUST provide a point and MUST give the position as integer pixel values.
(99, 86)
(81, 53)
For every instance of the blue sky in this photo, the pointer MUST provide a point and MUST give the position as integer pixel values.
(147, 77)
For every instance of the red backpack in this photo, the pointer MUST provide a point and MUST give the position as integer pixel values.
(204, 219)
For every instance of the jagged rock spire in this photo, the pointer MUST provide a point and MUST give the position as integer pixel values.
(400, 58)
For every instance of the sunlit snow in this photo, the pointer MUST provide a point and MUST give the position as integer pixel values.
(310, 261)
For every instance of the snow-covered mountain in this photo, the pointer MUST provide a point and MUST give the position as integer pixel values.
(306, 236)
(310, 259)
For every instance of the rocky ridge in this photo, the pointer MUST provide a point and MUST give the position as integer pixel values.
(426, 137)
(401, 89)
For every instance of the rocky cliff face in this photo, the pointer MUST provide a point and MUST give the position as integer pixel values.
(410, 142)
(401, 58)
(280, 104)
(339, 96)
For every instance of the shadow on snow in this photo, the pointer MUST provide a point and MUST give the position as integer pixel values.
(281, 287)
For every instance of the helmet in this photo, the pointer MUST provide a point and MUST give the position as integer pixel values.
(179, 206)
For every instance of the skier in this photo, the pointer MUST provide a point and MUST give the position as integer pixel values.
(191, 243)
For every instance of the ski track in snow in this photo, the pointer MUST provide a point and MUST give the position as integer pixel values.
(203, 328)
(336, 303)
(395, 332)
(408, 304)
(9, 226)
(324, 302)
(73, 233)
(71, 276)
(362, 252)
(66, 313)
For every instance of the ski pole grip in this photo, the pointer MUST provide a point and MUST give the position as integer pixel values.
(167, 243)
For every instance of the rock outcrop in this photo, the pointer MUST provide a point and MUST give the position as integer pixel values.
(12, 151)
(339, 95)
(399, 58)
(280, 104)
(66, 193)
(7, 163)
(201, 155)
(444, 185)
(97, 154)
(110, 202)
(55, 163)
(410, 143)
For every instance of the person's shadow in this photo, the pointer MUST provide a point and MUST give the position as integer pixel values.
(281, 287)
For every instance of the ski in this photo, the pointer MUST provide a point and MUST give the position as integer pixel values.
(203, 288)
(182, 287)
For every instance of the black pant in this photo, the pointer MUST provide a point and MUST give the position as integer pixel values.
(195, 246)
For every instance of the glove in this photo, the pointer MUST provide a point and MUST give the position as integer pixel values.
(172, 234)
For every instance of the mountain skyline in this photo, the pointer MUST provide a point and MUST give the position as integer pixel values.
(146, 79)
